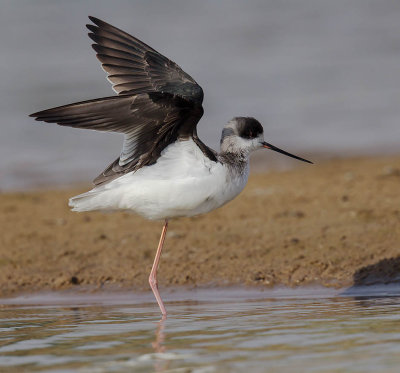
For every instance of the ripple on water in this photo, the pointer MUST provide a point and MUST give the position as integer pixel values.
(208, 330)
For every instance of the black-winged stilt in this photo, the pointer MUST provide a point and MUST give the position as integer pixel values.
(164, 170)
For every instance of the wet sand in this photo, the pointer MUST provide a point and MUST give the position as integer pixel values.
(336, 223)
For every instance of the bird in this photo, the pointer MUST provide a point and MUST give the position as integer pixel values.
(164, 170)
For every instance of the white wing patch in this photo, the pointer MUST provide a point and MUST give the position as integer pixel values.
(128, 148)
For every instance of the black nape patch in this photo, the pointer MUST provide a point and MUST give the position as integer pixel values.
(250, 128)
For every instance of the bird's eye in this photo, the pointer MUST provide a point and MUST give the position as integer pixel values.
(248, 134)
(252, 135)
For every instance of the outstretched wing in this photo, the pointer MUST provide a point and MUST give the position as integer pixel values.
(134, 67)
(150, 122)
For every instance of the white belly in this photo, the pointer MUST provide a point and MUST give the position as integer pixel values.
(183, 182)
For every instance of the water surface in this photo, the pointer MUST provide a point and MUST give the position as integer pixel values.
(217, 330)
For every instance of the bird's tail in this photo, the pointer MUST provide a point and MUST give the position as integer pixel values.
(86, 201)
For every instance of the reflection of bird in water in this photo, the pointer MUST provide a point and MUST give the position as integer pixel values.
(164, 170)
(158, 343)
(159, 348)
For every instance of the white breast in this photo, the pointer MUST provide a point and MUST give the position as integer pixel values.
(183, 182)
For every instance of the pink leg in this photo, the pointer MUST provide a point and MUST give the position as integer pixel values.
(153, 273)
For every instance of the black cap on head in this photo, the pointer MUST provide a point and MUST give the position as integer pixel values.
(248, 127)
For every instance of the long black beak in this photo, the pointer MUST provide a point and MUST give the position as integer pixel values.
(269, 146)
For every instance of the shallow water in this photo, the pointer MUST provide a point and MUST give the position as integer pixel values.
(217, 330)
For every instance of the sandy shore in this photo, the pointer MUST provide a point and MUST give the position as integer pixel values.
(336, 223)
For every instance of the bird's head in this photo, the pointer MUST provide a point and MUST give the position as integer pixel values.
(246, 134)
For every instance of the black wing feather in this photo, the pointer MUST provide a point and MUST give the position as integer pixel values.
(150, 122)
(134, 67)
(157, 102)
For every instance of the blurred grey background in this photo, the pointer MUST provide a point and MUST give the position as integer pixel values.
(322, 76)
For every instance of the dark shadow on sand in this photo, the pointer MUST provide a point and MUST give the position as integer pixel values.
(386, 271)
(381, 279)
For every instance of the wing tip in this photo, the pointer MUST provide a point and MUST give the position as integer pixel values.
(92, 36)
(96, 47)
(92, 28)
(100, 23)
(36, 115)
(95, 20)
(38, 118)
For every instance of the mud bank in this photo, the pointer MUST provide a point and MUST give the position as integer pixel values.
(336, 223)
